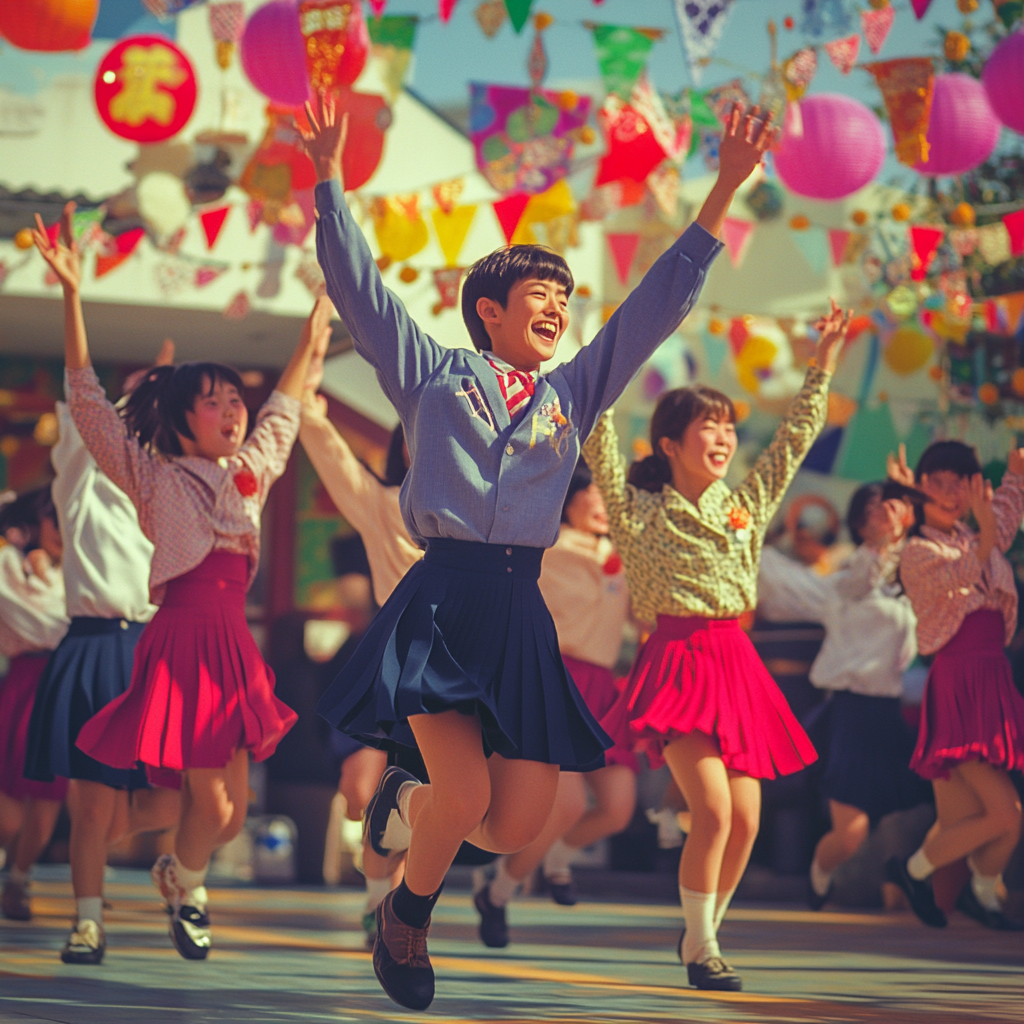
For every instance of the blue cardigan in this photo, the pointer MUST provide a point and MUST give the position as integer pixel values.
(475, 475)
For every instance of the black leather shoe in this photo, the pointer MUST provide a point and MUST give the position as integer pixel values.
(679, 947)
(190, 932)
(967, 903)
(86, 944)
(715, 975)
(383, 804)
(561, 892)
(922, 899)
(400, 959)
(814, 901)
(493, 927)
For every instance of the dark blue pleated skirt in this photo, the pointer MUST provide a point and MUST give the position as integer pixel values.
(864, 744)
(467, 629)
(91, 666)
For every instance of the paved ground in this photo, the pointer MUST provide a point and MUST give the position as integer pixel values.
(284, 955)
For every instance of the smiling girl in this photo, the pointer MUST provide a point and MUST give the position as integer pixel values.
(699, 697)
(201, 697)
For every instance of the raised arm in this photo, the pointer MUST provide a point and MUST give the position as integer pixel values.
(608, 468)
(64, 261)
(1008, 501)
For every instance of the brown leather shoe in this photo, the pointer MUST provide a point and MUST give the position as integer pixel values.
(14, 902)
(400, 959)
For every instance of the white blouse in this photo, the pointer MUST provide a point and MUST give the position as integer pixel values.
(32, 615)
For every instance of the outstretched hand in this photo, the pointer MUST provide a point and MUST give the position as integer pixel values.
(896, 468)
(745, 140)
(833, 329)
(318, 327)
(62, 256)
(325, 143)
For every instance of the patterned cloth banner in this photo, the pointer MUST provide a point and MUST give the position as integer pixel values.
(391, 42)
(622, 54)
(876, 25)
(824, 17)
(523, 138)
(797, 73)
(490, 16)
(700, 28)
(238, 308)
(906, 86)
(446, 280)
(633, 149)
(843, 52)
(994, 243)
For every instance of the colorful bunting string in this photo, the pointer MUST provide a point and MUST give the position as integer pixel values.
(622, 54)
(736, 234)
(876, 25)
(843, 52)
(623, 247)
(213, 223)
(700, 28)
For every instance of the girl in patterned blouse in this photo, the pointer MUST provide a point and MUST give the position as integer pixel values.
(699, 697)
(201, 697)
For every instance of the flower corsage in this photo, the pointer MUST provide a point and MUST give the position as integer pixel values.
(739, 523)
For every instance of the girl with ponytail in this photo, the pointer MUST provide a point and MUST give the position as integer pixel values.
(699, 697)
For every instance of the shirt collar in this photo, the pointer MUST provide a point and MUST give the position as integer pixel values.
(502, 367)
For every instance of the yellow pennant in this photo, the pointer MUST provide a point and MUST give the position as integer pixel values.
(452, 229)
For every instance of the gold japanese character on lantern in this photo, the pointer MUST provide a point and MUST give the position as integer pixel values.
(146, 71)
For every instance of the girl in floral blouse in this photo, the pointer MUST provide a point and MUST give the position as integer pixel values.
(699, 697)
(201, 697)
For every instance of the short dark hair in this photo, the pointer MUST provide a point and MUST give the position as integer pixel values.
(580, 480)
(26, 512)
(951, 456)
(492, 277)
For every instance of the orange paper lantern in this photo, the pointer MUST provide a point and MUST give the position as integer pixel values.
(988, 394)
(48, 25)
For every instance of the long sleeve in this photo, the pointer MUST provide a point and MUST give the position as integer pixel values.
(606, 464)
(932, 569)
(600, 371)
(31, 607)
(789, 592)
(1008, 506)
(765, 485)
(864, 570)
(267, 448)
(70, 458)
(382, 330)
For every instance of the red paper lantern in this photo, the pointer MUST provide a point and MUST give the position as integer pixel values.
(145, 89)
(1003, 78)
(273, 53)
(337, 41)
(48, 25)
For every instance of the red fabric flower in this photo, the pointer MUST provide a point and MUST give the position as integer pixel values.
(613, 564)
(246, 482)
(739, 518)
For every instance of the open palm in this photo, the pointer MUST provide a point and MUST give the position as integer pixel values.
(62, 256)
(325, 142)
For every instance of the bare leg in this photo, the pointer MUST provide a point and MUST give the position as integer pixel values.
(850, 827)
(152, 810)
(614, 788)
(214, 803)
(360, 773)
(40, 821)
(743, 827)
(12, 813)
(93, 809)
(570, 804)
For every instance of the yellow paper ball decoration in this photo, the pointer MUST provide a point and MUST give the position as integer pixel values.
(715, 326)
(799, 222)
(23, 239)
(963, 215)
(586, 135)
(568, 100)
(956, 46)
(908, 350)
(859, 217)
(901, 211)
(408, 274)
(542, 20)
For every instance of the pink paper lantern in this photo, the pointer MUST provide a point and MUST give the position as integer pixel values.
(1003, 78)
(962, 131)
(273, 53)
(831, 147)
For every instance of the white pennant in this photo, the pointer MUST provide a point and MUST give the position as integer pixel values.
(700, 28)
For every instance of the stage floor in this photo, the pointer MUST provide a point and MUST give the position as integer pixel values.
(284, 955)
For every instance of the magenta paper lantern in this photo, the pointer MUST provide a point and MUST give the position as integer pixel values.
(831, 147)
(1003, 78)
(273, 53)
(962, 131)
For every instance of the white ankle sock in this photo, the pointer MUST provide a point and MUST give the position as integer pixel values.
(722, 901)
(376, 890)
(19, 877)
(984, 887)
(398, 831)
(405, 792)
(192, 882)
(820, 879)
(699, 942)
(558, 861)
(503, 886)
(90, 908)
(919, 867)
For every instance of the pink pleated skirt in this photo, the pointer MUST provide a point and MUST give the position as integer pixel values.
(703, 675)
(200, 688)
(17, 695)
(971, 710)
(600, 690)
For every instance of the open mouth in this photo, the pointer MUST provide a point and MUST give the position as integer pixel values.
(718, 459)
(547, 331)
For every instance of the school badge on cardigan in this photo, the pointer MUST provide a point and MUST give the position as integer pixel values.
(550, 423)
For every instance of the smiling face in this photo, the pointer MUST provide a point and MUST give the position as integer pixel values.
(218, 421)
(702, 455)
(526, 332)
(950, 496)
(587, 511)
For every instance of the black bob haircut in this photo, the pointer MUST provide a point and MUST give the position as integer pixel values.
(857, 512)
(26, 512)
(492, 277)
(951, 456)
(580, 480)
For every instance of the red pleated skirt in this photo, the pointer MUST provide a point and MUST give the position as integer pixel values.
(971, 710)
(200, 688)
(600, 690)
(17, 695)
(703, 675)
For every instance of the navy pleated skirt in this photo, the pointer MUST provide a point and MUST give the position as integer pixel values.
(865, 746)
(468, 630)
(91, 666)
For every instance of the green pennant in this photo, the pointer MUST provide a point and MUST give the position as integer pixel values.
(622, 55)
(81, 220)
(518, 12)
(703, 116)
(395, 30)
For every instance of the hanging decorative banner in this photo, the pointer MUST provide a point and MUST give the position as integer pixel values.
(238, 308)
(824, 16)
(736, 234)
(446, 280)
(664, 184)
(518, 12)
(206, 275)
(813, 245)
(673, 134)
(924, 243)
(633, 150)
(445, 8)
(400, 228)
(123, 246)
(523, 138)
(278, 167)
(1014, 223)
(451, 229)
(336, 41)
(622, 54)
(172, 276)
(490, 16)
(797, 73)
(537, 62)
(838, 240)
(378, 8)
(906, 86)
(213, 221)
(446, 193)
(700, 28)
(722, 98)
(623, 247)
(509, 211)
(550, 207)
(227, 22)
(994, 243)
(391, 41)
(296, 219)
(254, 211)
(920, 7)
(875, 25)
(843, 52)
(145, 89)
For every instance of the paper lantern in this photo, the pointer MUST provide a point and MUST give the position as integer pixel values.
(908, 350)
(833, 146)
(48, 25)
(145, 89)
(963, 130)
(1003, 78)
(369, 117)
(273, 53)
(337, 41)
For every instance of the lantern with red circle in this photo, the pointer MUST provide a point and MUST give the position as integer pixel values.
(48, 25)
(145, 89)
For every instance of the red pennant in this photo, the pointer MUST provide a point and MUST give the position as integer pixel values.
(124, 246)
(1015, 227)
(509, 212)
(204, 275)
(238, 308)
(920, 7)
(633, 151)
(53, 233)
(736, 235)
(255, 212)
(924, 242)
(738, 334)
(378, 7)
(876, 25)
(445, 8)
(838, 239)
(843, 52)
(623, 247)
(213, 221)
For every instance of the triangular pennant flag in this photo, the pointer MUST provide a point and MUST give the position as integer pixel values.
(813, 244)
(838, 239)
(53, 233)
(715, 351)
(736, 235)
(623, 247)
(738, 334)
(518, 12)
(622, 54)
(446, 193)
(451, 229)
(920, 7)
(1015, 228)
(924, 243)
(490, 16)
(509, 211)
(238, 308)
(213, 221)
(83, 220)
(124, 246)
(633, 148)
(876, 25)
(446, 281)
(254, 210)
(378, 7)
(907, 86)
(445, 8)
(843, 52)
(797, 73)
(700, 28)
(205, 275)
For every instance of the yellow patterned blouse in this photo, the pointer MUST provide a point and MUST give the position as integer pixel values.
(702, 560)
